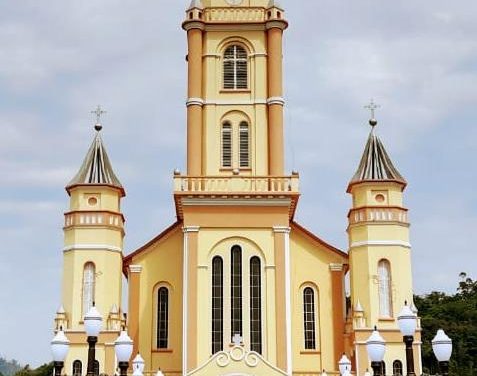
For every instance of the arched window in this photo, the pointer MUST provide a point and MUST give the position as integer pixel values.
(397, 368)
(77, 368)
(236, 291)
(309, 318)
(244, 149)
(255, 305)
(226, 144)
(217, 304)
(89, 273)
(235, 68)
(162, 317)
(385, 299)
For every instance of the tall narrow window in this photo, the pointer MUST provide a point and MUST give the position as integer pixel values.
(235, 68)
(397, 368)
(236, 291)
(244, 144)
(77, 368)
(226, 145)
(255, 306)
(89, 272)
(217, 304)
(162, 317)
(385, 299)
(309, 318)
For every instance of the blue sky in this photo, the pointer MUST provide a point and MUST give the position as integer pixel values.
(59, 59)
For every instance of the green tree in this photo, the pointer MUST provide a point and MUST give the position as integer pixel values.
(457, 315)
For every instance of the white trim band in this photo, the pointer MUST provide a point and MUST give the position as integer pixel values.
(276, 100)
(335, 267)
(235, 102)
(397, 243)
(191, 229)
(92, 247)
(195, 102)
(135, 268)
(281, 229)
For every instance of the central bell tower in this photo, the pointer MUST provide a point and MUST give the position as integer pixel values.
(235, 96)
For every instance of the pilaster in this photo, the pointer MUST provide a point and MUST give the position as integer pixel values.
(337, 300)
(134, 281)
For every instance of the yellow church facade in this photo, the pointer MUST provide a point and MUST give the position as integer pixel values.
(236, 286)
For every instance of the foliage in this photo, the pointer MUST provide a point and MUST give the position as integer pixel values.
(44, 370)
(457, 315)
(8, 367)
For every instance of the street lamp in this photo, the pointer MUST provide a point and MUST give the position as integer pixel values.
(324, 373)
(159, 373)
(59, 349)
(344, 364)
(92, 324)
(367, 373)
(442, 347)
(376, 348)
(123, 347)
(138, 363)
(407, 321)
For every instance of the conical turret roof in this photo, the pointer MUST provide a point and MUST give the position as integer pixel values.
(96, 168)
(375, 164)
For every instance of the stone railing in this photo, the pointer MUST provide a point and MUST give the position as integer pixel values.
(220, 15)
(236, 184)
(378, 214)
(93, 219)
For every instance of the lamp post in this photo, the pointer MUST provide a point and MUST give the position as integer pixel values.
(59, 349)
(123, 347)
(376, 348)
(407, 322)
(159, 373)
(344, 364)
(92, 324)
(442, 348)
(138, 363)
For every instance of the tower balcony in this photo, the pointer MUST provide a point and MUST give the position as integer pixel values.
(236, 190)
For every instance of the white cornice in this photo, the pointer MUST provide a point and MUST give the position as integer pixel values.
(191, 228)
(335, 267)
(281, 229)
(92, 247)
(194, 102)
(377, 243)
(276, 100)
(235, 202)
(235, 102)
(135, 268)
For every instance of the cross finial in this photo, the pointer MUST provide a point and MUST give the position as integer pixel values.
(98, 112)
(372, 107)
(237, 339)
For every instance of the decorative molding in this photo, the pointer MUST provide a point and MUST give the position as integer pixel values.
(135, 268)
(187, 229)
(195, 102)
(234, 202)
(234, 102)
(92, 247)
(276, 100)
(335, 267)
(259, 54)
(281, 229)
(398, 243)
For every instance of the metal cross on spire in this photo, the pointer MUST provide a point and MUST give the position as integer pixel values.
(372, 107)
(98, 112)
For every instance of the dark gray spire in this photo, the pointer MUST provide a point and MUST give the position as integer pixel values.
(375, 163)
(96, 168)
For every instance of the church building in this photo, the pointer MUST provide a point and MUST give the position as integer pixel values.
(236, 287)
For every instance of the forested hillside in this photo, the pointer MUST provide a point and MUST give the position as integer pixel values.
(457, 315)
(8, 367)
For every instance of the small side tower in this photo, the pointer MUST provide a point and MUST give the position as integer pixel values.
(380, 254)
(93, 231)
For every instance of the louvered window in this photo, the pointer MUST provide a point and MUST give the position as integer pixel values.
(235, 68)
(236, 291)
(226, 145)
(162, 317)
(244, 144)
(309, 318)
(89, 272)
(384, 279)
(255, 305)
(217, 304)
